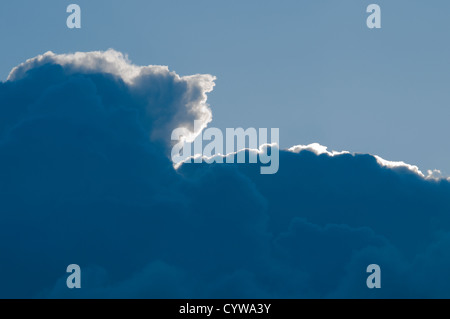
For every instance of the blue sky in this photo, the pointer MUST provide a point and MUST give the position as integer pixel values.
(311, 68)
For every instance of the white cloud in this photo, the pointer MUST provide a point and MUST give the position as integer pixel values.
(172, 100)
(399, 164)
(316, 148)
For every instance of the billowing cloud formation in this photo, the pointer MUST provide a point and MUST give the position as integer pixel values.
(85, 178)
(162, 100)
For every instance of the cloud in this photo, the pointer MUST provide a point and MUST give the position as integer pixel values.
(162, 99)
(316, 148)
(85, 178)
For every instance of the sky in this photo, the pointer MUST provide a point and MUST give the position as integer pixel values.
(87, 178)
(311, 68)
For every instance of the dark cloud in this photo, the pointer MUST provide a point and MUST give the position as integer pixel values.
(85, 178)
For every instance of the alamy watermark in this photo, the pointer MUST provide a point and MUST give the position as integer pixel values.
(74, 279)
(238, 143)
(74, 19)
(374, 279)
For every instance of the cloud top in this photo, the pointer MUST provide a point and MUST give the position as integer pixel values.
(168, 100)
(85, 178)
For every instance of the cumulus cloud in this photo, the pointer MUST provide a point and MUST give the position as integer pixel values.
(85, 178)
(316, 148)
(163, 99)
